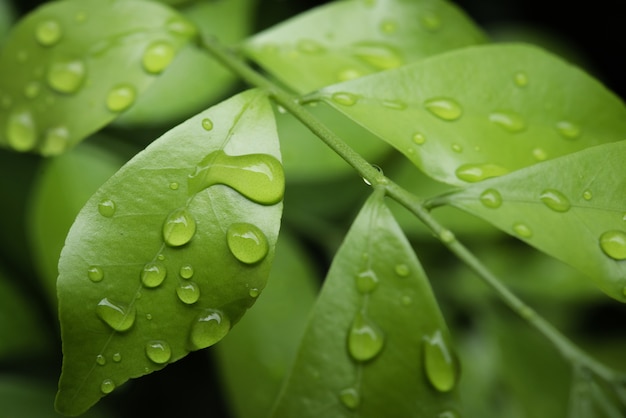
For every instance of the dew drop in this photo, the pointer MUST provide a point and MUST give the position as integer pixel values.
(444, 108)
(613, 243)
(158, 351)
(379, 55)
(106, 208)
(179, 227)
(247, 242)
(186, 271)
(419, 138)
(157, 57)
(48, 33)
(365, 339)
(522, 230)
(344, 99)
(181, 27)
(491, 198)
(209, 327)
(95, 274)
(509, 121)
(207, 124)
(259, 177)
(107, 386)
(120, 98)
(457, 148)
(254, 292)
(402, 270)
(32, 90)
(520, 79)
(430, 21)
(394, 104)
(540, 154)
(66, 76)
(174, 185)
(568, 130)
(348, 74)
(473, 173)
(101, 360)
(587, 195)
(309, 46)
(441, 367)
(366, 281)
(21, 131)
(153, 274)
(55, 141)
(116, 315)
(350, 398)
(117, 357)
(188, 292)
(555, 200)
(447, 236)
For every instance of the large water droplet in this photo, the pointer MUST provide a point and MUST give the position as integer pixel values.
(344, 99)
(116, 315)
(21, 130)
(247, 242)
(613, 243)
(555, 200)
(379, 55)
(106, 208)
(522, 230)
(365, 339)
(48, 32)
(188, 292)
(444, 108)
(107, 386)
(66, 76)
(509, 121)
(153, 274)
(259, 177)
(55, 141)
(440, 365)
(95, 274)
(366, 281)
(568, 130)
(350, 398)
(473, 173)
(179, 227)
(210, 327)
(120, 97)
(158, 351)
(491, 198)
(157, 57)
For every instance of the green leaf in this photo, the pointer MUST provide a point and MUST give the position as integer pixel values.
(168, 254)
(483, 111)
(376, 344)
(91, 58)
(570, 207)
(344, 40)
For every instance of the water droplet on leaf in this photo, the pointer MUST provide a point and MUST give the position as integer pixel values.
(555, 200)
(117, 357)
(568, 130)
(120, 98)
(95, 274)
(179, 227)
(247, 242)
(350, 398)
(613, 243)
(587, 195)
(188, 292)
(402, 270)
(116, 315)
(540, 154)
(474, 173)
(440, 365)
(106, 208)
(444, 108)
(107, 386)
(153, 274)
(491, 198)
(457, 148)
(344, 99)
(522, 230)
(348, 74)
(394, 104)
(509, 121)
(419, 138)
(365, 339)
(430, 21)
(366, 281)
(48, 33)
(207, 124)
(157, 57)
(186, 271)
(254, 292)
(21, 131)
(158, 351)
(520, 79)
(210, 327)
(55, 141)
(379, 55)
(100, 360)
(66, 76)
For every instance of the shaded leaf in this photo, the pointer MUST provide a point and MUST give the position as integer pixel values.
(570, 207)
(81, 57)
(163, 259)
(344, 40)
(376, 344)
(483, 111)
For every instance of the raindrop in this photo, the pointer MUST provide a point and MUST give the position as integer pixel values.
(344, 99)
(173, 185)
(106, 208)
(473, 173)
(491, 198)
(540, 154)
(419, 138)
(153, 274)
(120, 97)
(210, 327)
(117, 357)
(309, 46)
(366, 281)
(430, 21)
(158, 351)
(509, 121)
(587, 195)
(444, 108)
(157, 57)
(107, 386)
(457, 148)
(247, 242)
(55, 141)
(95, 274)
(207, 124)
(254, 292)
(379, 55)
(116, 315)
(613, 243)
(21, 131)
(568, 130)
(48, 33)
(440, 365)
(555, 200)
(66, 76)
(188, 292)
(179, 227)
(520, 79)
(522, 230)
(186, 271)
(350, 398)
(101, 360)
(365, 339)
(402, 270)
(32, 89)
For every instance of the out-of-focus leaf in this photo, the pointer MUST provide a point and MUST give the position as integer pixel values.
(7, 15)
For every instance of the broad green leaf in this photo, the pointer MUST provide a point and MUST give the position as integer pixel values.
(344, 40)
(571, 207)
(170, 252)
(91, 58)
(254, 357)
(376, 344)
(483, 111)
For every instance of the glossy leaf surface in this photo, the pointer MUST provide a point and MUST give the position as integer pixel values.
(376, 344)
(81, 57)
(348, 39)
(162, 258)
(571, 207)
(483, 111)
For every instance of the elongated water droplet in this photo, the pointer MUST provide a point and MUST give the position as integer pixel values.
(207, 124)
(157, 57)
(350, 398)
(55, 141)
(522, 230)
(365, 339)
(366, 281)
(555, 200)
(419, 138)
(153, 274)
(21, 130)
(491, 198)
(394, 104)
(210, 327)
(474, 173)
(48, 33)
(402, 270)
(444, 108)
(568, 130)
(120, 98)
(95, 274)
(107, 386)
(613, 243)
(310, 46)
(344, 99)
(247, 242)
(106, 208)
(179, 227)
(158, 351)
(440, 364)
(66, 76)
(259, 177)
(188, 292)
(186, 271)
(379, 55)
(520, 79)
(509, 121)
(116, 315)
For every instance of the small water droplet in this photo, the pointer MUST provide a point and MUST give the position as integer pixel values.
(366, 281)
(365, 339)
(379, 55)
(491, 198)
(520, 79)
(32, 89)
(402, 270)
(457, 148)
(48, 33)
(186, 271)
(174, 185)
(344, 99)
(107, 386)
(444, 108)
(350, 398)
(394, 104)
(158, 351)
(120, 97)
(587, 195)
(447, 236)
(406, 300)
(310, 46)
(117, 357)
(101, 360)
(210, 327)
(55, 141)
(555, 200)
(188, 292)
(430, 21)
(247, 242)
(613, 243)
(66, 76)
(207, 124)
(21, 130)
(179, 227)
(440, 365)
(522, 230)
(157, 57)
(106, 208)
(149, 316)
(95, 274)
(540, 154)
(388, 26)
(153, 274)
(116, 315)
(254, 292)
(348, 74)
(509, 121)
(568, 130)
(419, 138)
(473, 173)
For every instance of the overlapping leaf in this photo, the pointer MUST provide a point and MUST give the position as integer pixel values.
(171, 251)
(483, 111)
(572, 208)
(344, 40)
(91, 58)
(376, 344)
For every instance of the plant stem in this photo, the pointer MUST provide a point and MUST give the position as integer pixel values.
(417, 206)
